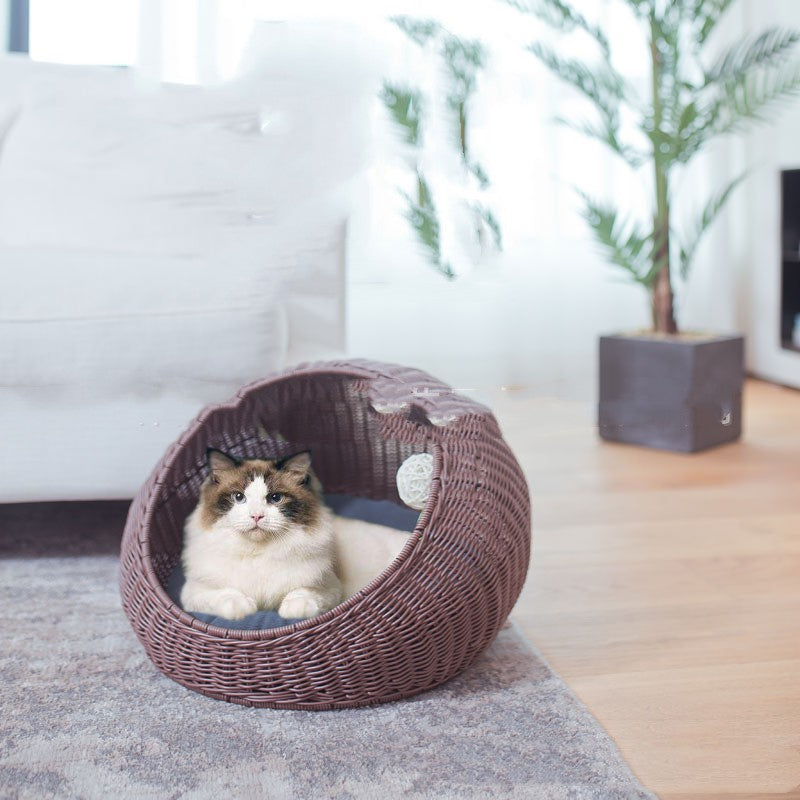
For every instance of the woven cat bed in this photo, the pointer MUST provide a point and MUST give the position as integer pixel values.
(419, 623)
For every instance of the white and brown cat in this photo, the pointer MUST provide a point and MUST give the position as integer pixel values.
(261, 537)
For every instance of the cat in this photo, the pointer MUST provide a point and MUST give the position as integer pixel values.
(260, 537)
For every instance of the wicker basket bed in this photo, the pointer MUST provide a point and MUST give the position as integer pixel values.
(423, 620)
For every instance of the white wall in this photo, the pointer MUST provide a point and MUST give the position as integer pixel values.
(772, 149)
(521, 323)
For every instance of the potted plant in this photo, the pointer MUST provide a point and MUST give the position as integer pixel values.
(661, 387)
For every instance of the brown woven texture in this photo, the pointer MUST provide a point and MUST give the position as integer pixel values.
(423, 620)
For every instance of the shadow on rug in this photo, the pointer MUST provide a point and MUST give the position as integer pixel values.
(86, 715)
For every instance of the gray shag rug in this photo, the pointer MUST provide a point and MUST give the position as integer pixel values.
(86, 715)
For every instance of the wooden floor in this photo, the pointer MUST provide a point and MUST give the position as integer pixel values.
(665, 590)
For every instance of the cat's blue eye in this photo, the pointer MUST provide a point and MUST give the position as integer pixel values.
(237, 497)
(275, 497)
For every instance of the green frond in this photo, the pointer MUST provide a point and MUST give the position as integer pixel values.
(706, 219)
(406, 107)
(465, 55)
(606, 134)
(559, 15)
(603, 85)
(690, 133)
(484, 215)
(727, 108)
(420, 31)
(480, 174)
(623, 241)
(707, 14)
(770, 48)
(463, 59)
(748, 98)
(422, 216)
(640, 8)
(688, 118)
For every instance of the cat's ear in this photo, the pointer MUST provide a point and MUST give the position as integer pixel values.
(218, 462)
(297, 465)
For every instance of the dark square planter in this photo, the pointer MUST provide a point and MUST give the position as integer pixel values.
(671, 393)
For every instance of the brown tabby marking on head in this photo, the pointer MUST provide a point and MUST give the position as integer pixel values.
(291, 477)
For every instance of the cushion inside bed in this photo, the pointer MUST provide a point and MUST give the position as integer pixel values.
(376, 512)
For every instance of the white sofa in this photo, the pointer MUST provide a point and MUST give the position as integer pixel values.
(159, 247)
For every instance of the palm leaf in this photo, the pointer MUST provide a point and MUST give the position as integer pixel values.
(484, 215)
(749, 96)
(480, 174)
(694, 128)
(463, 59)
(770, 48)
(420, 31)
(421, 214)
(727, 108)
(562, 16)
(604, 86)
(704, 222)
(406, 107)
(609, 136)
(623, 241)
(641, 8)
(707, 14)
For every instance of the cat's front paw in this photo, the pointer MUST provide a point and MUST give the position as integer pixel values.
(234, 605)
(300, 604)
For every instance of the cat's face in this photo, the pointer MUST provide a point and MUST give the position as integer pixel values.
(259, 499)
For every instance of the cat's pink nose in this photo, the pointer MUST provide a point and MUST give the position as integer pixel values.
(256, 517)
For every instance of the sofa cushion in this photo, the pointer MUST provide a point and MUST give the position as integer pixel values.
(108, 324)
(97, 159)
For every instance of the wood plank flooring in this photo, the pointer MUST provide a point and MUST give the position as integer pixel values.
(665, 590)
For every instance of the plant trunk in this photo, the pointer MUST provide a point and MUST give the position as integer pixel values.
(662, 299)
(661, 296)
(662, 305)
(462, 130)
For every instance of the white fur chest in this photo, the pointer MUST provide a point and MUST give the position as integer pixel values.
(220, 557)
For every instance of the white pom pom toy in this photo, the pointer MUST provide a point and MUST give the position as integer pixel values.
(414, 480)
